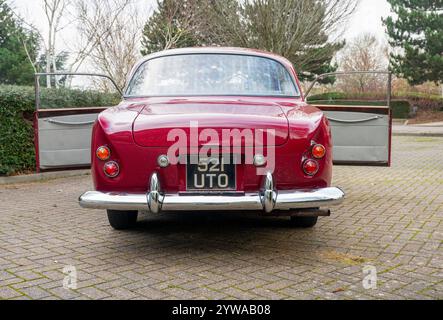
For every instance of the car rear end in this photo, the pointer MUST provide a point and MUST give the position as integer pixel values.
(289, 173)
(207, 130)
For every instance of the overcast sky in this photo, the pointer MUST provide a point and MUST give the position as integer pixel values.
(367, 18)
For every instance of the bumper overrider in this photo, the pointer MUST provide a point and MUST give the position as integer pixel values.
(268, 200)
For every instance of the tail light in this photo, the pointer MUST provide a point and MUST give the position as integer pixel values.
(111, 169)
(103, 153)
(318, 151)
(310, 167)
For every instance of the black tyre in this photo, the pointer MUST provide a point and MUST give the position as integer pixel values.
(304, 222)
(121, 220)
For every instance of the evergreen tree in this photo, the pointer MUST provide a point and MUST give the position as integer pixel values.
(418, 33)
(60, 62)
(169, 27)
(15, 66)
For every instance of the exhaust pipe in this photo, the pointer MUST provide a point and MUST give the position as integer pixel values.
(311, 213)
(302, 213)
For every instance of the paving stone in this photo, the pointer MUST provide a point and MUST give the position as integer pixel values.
(8, 293)
(35, 292)
(93, 293)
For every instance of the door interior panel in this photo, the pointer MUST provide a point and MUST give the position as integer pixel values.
(360, 134)
(65, 141)
(64, 138)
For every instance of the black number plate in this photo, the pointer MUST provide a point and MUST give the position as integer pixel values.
(211, 174)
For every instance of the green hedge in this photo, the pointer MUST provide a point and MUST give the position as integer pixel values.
(16, 133)
(328, 96)
(401, 101)
(400, 108)
(17, 105)
(67, 98)
(410, 96)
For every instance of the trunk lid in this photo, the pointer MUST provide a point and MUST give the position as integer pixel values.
(155, 122)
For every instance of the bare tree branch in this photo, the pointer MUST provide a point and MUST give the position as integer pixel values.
(33, 63)
(110, 33)
(364, 53)
(55, 11)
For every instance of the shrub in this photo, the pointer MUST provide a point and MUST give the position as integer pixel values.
(68, 98)
(400, 109)
(401, 103)
(17, 105)
(16, 133)
(328, 96)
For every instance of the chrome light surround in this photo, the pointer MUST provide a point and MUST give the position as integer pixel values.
(163, 161)
(108, 175)
(312, 173)
(259, 160)
(318, 145)
(103, 147)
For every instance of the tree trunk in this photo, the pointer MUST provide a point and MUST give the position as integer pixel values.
(54, 68)
(48, 68)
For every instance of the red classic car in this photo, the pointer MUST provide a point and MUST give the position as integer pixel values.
(221, 129)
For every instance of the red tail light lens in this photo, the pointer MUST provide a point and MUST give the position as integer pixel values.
(103, 153)
(310, 167)
(111, 169)
(318, 151)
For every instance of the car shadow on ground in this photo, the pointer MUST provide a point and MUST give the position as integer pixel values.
(204, 232)
(198, 221)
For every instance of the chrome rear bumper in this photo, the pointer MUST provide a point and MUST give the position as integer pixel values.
(267, 200)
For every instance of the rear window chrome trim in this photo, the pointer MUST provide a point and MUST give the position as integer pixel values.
(211, 95)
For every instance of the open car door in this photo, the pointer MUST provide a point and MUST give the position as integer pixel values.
(361, 130)
(64, 117)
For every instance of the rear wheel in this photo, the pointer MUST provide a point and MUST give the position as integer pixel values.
(304, 222)
(121, 220)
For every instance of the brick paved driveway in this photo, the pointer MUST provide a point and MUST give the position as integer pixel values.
(392, 219)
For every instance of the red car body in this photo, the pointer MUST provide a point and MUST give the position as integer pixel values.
(135, 132)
